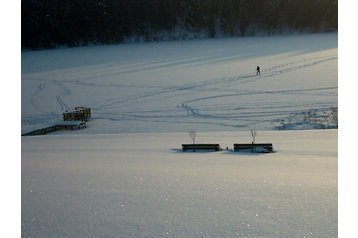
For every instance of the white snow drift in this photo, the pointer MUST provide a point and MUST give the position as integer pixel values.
(141, 185)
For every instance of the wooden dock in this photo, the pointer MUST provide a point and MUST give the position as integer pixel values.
(79, 114)
(73, 120)
(59, 127)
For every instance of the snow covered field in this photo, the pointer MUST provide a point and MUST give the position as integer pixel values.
(124, 175)
(139, 185)
(209, 85)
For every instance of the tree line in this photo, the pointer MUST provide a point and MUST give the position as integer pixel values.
(52, 23)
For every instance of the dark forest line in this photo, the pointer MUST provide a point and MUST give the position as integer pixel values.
(53, 23)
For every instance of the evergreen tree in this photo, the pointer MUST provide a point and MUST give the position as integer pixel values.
(50, 23)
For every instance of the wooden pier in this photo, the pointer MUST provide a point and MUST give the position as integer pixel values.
(79, 114)
(59, 127)
(73, 120)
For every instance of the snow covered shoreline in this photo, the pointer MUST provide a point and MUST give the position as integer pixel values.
(140, 185)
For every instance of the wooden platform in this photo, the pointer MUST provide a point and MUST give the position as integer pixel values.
(79, 114)
(195, 147)
(59, 127)
(254, 148)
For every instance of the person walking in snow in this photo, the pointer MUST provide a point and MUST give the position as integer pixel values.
(258, 70)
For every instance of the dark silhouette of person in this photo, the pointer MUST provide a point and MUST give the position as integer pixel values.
(258, 70)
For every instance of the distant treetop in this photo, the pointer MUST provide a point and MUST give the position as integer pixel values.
(52, 23)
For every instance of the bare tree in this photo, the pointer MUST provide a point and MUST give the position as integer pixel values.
(253, 134)
(335, 115)
(192, 134)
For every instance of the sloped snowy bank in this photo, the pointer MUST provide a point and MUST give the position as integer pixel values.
(140, 185)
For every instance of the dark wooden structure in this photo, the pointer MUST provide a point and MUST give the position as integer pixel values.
(194, 147)
(58, 127)
(79, 114)
(254, 148)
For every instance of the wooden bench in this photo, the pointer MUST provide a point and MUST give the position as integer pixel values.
(194, 147)
(254, 148)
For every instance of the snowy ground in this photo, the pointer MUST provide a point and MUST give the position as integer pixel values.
(208, 85)
(124, 175)
(140, 185)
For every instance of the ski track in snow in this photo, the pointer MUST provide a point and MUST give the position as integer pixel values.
(222, 116)
(220, 83)
(195, 112)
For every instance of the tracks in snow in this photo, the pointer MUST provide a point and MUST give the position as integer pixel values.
(222, 85)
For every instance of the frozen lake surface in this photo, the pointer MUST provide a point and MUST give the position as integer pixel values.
(208, 85)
